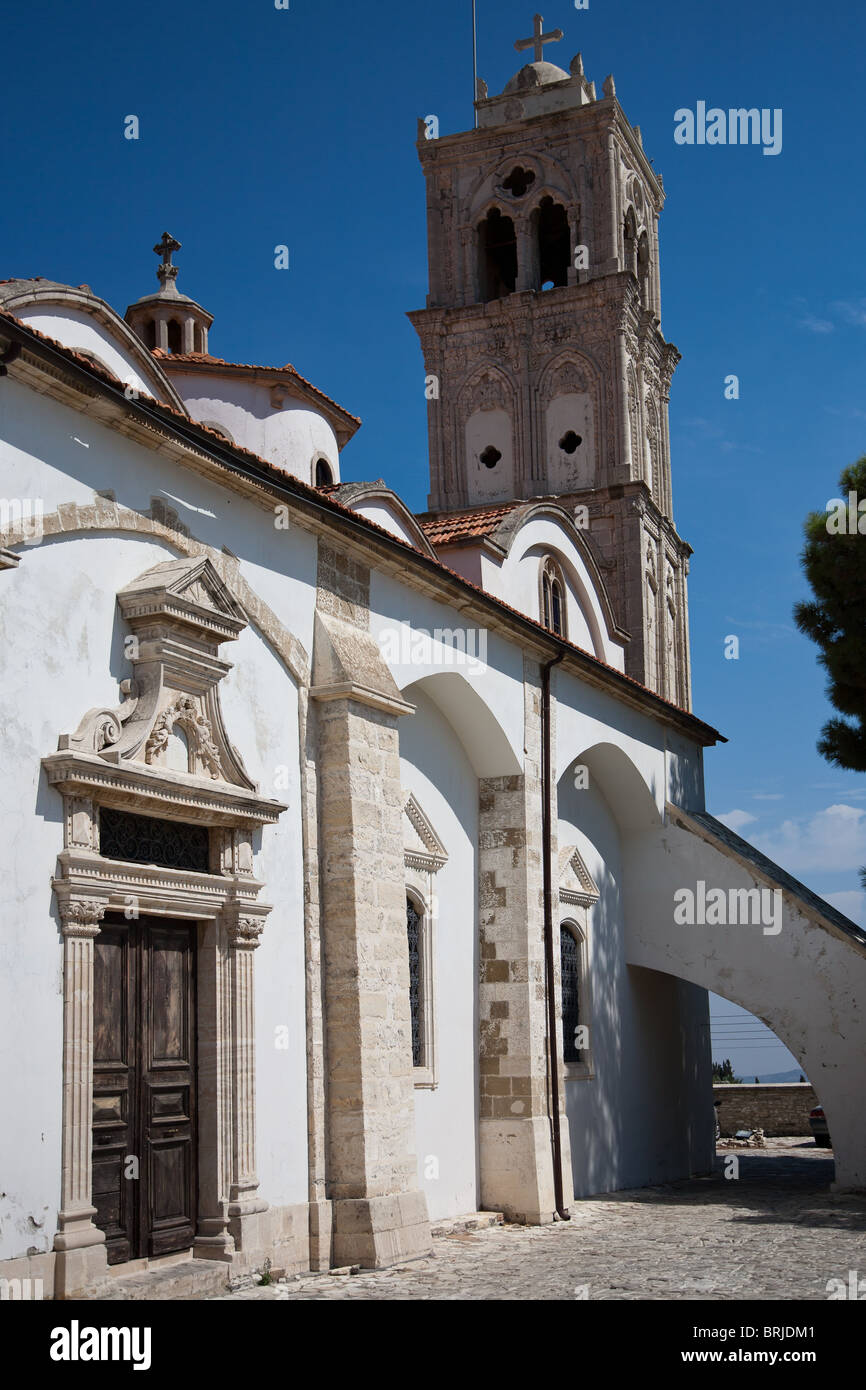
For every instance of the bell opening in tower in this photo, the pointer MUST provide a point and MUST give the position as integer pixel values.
(554, 244)
(497, 247)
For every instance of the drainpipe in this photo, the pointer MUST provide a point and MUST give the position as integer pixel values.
(546, 837)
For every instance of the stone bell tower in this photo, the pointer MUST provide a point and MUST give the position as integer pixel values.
(548, 375)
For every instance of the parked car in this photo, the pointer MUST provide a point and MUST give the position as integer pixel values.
(818, 1126)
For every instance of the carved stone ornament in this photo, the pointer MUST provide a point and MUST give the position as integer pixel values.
(81, 916)
(245, 933)
(422, 847)
(164, 749)
(576, 884)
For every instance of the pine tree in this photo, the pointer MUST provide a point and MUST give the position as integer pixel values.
(834, 561)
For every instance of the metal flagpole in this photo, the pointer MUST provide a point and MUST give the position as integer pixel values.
(474, 62)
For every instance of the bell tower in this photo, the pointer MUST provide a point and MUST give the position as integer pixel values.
(548, 375)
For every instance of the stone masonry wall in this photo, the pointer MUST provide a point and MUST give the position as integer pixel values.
(776, 1110)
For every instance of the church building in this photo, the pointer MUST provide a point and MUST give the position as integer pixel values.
(346, 848)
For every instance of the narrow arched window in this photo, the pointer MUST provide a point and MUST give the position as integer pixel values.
(497, 253)
(571, 988)
(175, 336)
(554, 244)
(324, 476)
(413, 931)
(629, 241)
(552, 598)
(643, 266)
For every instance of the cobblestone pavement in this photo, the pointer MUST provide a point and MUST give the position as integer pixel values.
(775, 1233)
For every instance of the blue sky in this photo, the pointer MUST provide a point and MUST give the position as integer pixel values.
(261, 127)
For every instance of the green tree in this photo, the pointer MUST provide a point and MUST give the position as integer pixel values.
(834, 562)
(724, 1072)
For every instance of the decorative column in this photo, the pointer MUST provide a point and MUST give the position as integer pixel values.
(516, 1158)
(526, 268)
(80, 1246)
(379, 1212)
(244, 1204)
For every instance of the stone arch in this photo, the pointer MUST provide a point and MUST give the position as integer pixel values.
(628, 791)
(801, 969)
(161, 522)
(488, 747)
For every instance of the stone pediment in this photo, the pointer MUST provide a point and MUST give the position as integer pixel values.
(166, 742)
(185, 591)
(576, 884)
(422, 847)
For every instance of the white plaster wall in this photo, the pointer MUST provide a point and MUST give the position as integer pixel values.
(292, 437)
(62, 640)
(260, 707)
(385, 517)
(433, 765)
(61, 653)
(806, 982)
(645, 1115)
(481, 698)
(516, 582)
(76, 329)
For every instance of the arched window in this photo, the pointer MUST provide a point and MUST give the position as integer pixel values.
(629, 240)
(643, 266)
(324, 475)
(414, 922)
(554, 244)
(552, 598)
(497, 252)
(570, 966)
(175, 336)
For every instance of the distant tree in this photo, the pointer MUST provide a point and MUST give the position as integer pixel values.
(723, 1072)
(834, 561)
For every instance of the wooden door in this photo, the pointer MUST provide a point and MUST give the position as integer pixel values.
(144, 1130)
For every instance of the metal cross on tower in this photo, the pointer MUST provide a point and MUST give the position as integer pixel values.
(539, 39)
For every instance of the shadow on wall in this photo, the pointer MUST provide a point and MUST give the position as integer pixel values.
(645, 1114)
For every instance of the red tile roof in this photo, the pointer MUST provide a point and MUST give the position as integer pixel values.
(450, 528)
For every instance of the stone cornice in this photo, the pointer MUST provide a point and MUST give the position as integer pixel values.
(138, 787)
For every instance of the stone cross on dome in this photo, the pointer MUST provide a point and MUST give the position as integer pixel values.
(539, 39)
(164, 248)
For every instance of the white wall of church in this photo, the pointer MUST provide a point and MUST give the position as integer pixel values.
(632, 1121)
(252, 693)
(60, 626)
(384, 517)
(516, 581)
(60, 621)
(434, 766)
(292, 437)
(81, 332)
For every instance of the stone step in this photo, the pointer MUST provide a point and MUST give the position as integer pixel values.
(190, 1280)
(471, 1221)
